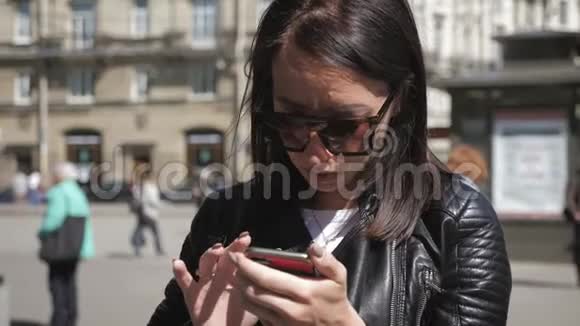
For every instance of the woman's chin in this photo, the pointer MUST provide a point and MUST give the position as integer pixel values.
(325, 188)
(325, 183)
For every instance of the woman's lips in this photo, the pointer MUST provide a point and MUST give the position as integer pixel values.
(327, 177)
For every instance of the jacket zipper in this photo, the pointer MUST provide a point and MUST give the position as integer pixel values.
(428, 286)
(402, 284)
(395, 284)
(398, 297)
(425, 294)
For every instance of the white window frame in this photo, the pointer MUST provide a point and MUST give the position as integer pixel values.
(86, 80)
(23, 22)
(83, 25)
(23, 78)
(203, 74)
(140, 24)
(141, 79)
(261, 7)
(204, 15)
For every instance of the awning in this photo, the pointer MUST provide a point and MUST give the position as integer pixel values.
(524, 75)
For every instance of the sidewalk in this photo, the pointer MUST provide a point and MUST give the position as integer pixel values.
(99, 210)
(544, 294)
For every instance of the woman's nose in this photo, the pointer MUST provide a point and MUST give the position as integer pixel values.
(317, 148)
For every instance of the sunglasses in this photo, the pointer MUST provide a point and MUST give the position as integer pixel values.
(349, 137)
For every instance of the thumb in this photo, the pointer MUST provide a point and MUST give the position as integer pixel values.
(326, 264)
(182, 276)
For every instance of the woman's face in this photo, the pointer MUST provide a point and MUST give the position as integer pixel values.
(306, 86)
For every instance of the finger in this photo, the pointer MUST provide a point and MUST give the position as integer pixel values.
(238, 245)
(182, 276)
(283, 283)
(266, 316)
(282, 306)
(241, 243)
(208, 261)
(327, 264)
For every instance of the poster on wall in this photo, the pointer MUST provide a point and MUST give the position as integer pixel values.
(530, 164)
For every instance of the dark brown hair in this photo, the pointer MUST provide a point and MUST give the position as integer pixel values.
(376, 38)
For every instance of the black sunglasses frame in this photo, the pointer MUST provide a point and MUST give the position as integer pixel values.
(320, 124)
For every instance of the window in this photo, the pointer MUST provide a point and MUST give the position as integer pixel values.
(261, 7)
(468, 40)
(204, 147)
(83, 24)
(499, 29)
(140, 85)
(23, 88)
(22, 23)
(84, 150)
(203, 79)
(563, 13)
(140, 19)
(439, 20)
(81, 86)
(497, 6)
(204, 22)
(530, 13)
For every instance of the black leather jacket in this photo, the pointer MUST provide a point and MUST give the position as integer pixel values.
(453, 270)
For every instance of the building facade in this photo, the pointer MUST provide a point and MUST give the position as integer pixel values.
(523, 119)
(128, 81)
(511, 68)
(457, 35)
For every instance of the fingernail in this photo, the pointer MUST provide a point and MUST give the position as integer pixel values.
(217, 246)
(173, 260)
(244, 234)
(316, 250)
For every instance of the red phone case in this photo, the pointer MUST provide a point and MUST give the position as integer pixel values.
(294, 263)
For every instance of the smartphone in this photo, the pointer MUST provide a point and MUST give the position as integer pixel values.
(296, 263)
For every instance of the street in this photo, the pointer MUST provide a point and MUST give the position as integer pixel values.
(118, 289)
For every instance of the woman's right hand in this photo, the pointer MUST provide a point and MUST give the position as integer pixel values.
(212, 300)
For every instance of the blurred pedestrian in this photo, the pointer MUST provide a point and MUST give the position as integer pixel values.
(572, 215)
(34, 193)
(19, 186)
(66, 204)
(146, 203)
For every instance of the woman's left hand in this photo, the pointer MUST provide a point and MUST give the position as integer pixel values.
(280, 298)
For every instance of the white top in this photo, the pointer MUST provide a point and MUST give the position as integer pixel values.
(150, 198)
(328, 227)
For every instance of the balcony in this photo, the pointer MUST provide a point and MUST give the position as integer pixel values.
(170, 45)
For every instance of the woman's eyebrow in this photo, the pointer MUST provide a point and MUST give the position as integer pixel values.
(346, 110)
(293, 106)
(354, 109)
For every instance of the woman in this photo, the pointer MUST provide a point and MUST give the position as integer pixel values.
(338, 108)
(66, 200)
(146, 205)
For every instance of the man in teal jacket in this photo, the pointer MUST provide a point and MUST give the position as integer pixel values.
(66, 198)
